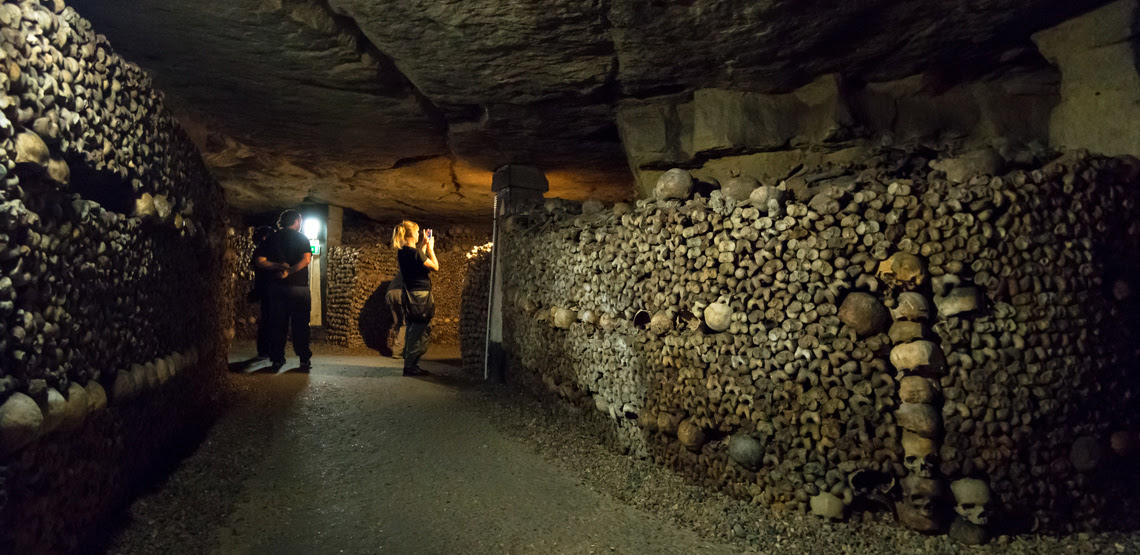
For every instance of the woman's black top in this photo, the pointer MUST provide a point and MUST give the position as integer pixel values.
(416, 275)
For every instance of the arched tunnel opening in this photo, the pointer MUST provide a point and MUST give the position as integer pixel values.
(522, 277)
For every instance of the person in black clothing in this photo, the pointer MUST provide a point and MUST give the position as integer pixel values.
(415, 265)
(261, 278)
(394, 297)
(287, 294)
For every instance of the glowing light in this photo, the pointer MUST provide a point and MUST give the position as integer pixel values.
(479, 250)
(311, 227)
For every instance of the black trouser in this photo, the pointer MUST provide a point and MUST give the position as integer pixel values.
(395, 300)
(289, 306)
(416, 342)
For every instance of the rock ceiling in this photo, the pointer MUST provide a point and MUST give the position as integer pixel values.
(404, 107)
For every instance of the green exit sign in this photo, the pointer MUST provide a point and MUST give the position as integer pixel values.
(315, 249)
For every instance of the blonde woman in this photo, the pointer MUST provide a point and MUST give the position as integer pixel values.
(415, 267)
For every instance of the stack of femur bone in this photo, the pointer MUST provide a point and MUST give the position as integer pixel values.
(746, 338)
(473, 308)
(95, 293)
(112, 275)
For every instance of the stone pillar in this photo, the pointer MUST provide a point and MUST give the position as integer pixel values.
(1100, 86)
(514, 187)
(334, 226)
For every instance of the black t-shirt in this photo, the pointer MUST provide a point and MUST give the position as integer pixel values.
(261, 277)
(412, 269)
(289, 246)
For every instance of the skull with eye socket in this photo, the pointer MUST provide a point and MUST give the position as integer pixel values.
(923, 494)
(973, 500)
(919, 455)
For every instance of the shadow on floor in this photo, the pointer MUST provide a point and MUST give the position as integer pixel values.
(260, 395)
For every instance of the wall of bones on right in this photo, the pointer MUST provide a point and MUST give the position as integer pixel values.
(941, 336)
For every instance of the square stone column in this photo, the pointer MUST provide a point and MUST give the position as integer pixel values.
(515, 187)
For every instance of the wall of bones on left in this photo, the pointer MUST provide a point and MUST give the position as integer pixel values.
(113, 286)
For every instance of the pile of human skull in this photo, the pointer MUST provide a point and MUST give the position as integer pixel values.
(473, 307)
(876, 334)
(113, 275)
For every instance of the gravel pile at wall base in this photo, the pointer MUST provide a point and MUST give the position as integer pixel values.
(555, 431)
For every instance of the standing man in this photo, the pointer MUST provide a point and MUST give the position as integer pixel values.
(288, 294)
(395, 299)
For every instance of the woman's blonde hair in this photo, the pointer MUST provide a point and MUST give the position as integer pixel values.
(404, 230)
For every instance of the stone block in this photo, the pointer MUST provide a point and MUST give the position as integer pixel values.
(1100, 85)
(727, 120)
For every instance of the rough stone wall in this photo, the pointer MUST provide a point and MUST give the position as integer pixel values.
(359, 273)
(114, 289)
(1100, 86)
(717, 133)
(879, 333)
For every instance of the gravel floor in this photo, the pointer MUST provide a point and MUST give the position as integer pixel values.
(354, 458)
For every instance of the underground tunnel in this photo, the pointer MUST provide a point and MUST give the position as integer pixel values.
(715, 276)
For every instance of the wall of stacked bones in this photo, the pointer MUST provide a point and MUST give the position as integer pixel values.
(473, 308)
(954, 346)
(112, 286)
(246, 313)
(363, 266)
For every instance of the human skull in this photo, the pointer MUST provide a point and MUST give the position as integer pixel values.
(903, 270)
(912, 307)
(674, 184)
(661, 323)
(528, 306)
(922, 494)
(588, 316)
(718, 316)
(606, 321)
(919, 458)
(31, 148)
(564, 317)
(973, 500)
(918, 355)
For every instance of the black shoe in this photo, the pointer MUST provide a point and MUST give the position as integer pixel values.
(273, 368)
(305, 366)
(416, 371)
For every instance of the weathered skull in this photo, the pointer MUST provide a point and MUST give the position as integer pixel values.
(563, 317)
(922, 494)
(588, 316)
(718, 316)
(920, 458)
(973, 500)
(606, 321)
(661, 323)
(918, 355)
(903, 270)
(912, 307)
(526, 304)
(31, 148)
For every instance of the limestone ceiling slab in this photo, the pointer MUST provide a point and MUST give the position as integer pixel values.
(291, 95)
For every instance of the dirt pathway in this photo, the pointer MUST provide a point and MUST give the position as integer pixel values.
(355, 458)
